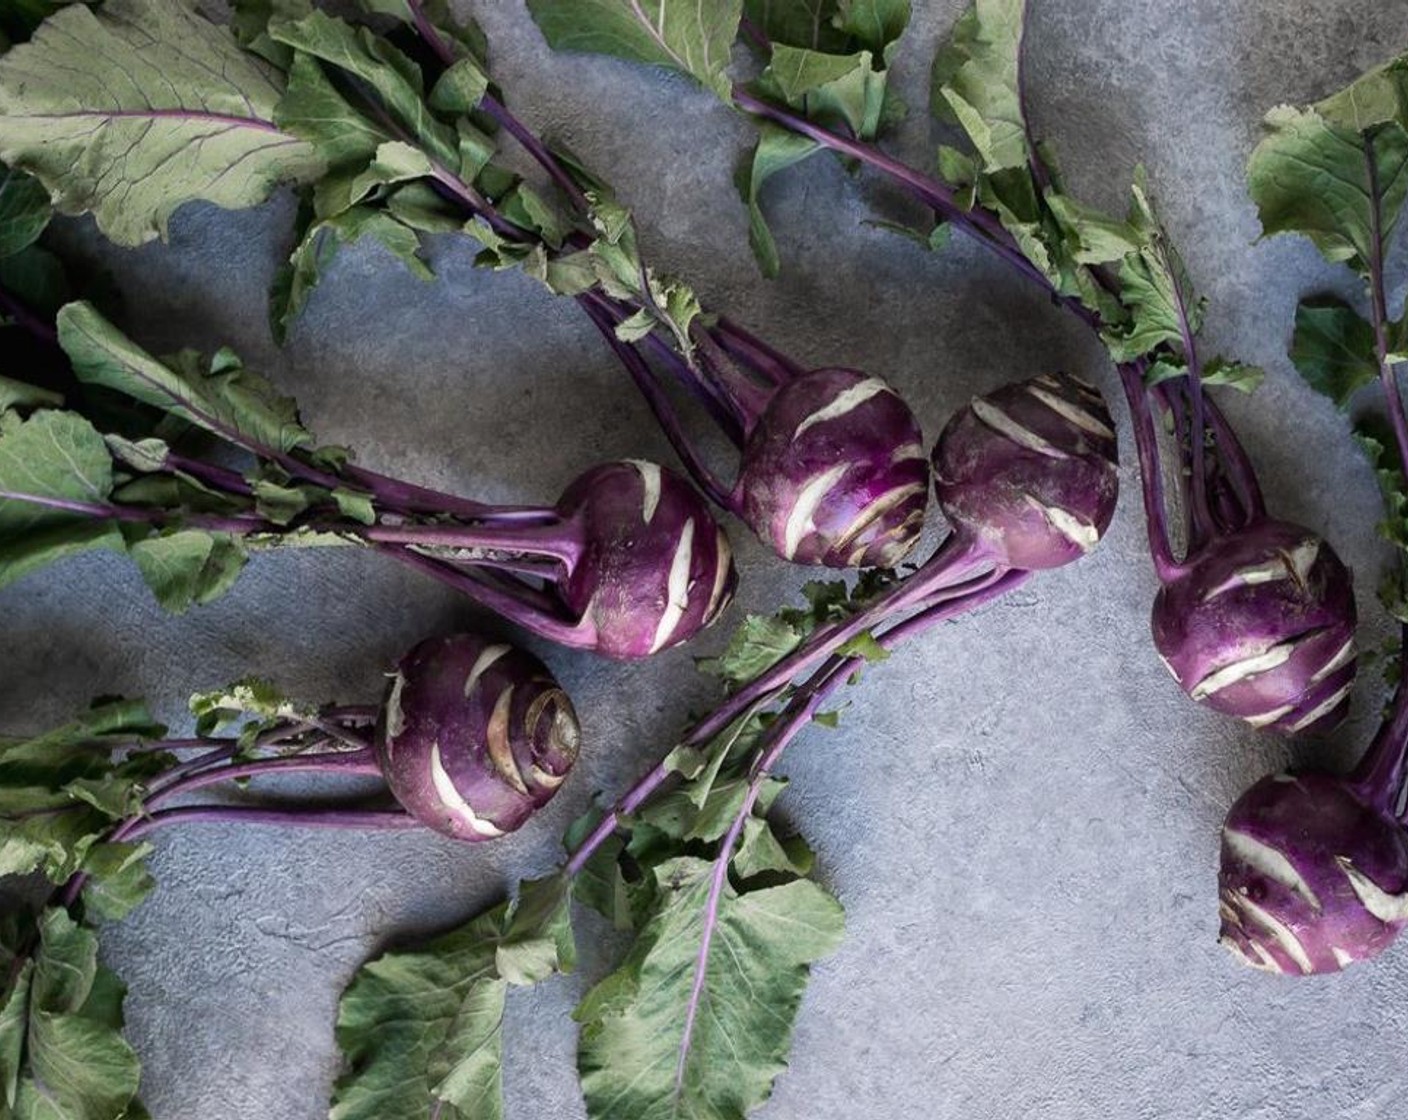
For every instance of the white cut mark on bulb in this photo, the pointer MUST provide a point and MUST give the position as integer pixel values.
(481, 665)
(877, 508)
(395, 716)
(1294, 564)
(1072, 412)
(907, 451)
(1004, 425)
(723, 564)
(1279, 931)
(1391, 909)
(500, 744)
(650, 483)
(1343, 959)
(451, 798)
(1343, 657)
(1321, 710)
(1080, 533)
(1239, 671)
(846, 401)
(676, 588)
(809, 498)
(1267, 861)
(1265, 719)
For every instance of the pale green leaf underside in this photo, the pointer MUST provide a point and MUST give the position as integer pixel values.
(131, 110)
(693, 36)
(633, 1022)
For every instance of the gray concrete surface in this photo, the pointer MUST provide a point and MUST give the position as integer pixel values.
(1020, 813)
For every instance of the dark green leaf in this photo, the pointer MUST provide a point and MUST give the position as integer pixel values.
(1333, 348)
(24, 210)
(36, 277)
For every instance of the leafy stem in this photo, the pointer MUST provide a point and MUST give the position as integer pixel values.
(1378, 305)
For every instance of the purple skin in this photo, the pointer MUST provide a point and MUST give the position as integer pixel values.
(833, 472)
(1030, 471)
(1260, 625)
(654, 569)
(475, 736)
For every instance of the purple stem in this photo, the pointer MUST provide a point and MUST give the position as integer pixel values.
(409, 498)
(662, 408)
(760, 689)
(1378, 778)
(1150, 470)
(366, 819)
(555, 541)
(362, 761)
(799, 712)
(1198, 511)
(508, 602)
(107, 512)
(711, 395)
(1379, 310)
(767, 361)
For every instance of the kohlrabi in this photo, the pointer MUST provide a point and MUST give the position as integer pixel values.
(473, 737)
(1315, 866)
(391, 136)
(718, 894)
(628, 562)
(1256, 616)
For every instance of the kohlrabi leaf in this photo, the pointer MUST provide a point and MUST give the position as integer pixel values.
(975, 82)
(60, 458)
(61, 792)
(801, 23)
(377, 66)
(874, 24)
(421, 1030)
(224, 398)
(1318, 177)
(62, 1054)
(1333, 348)
(36, 278)
(320, 243)
(129, 110)
(251, 700)
(463, 35)
(651, 1047)
(24, 210)
(188, 567)
(692, 36)
(758, 643)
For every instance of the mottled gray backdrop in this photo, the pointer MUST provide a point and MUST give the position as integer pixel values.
(1020, 813)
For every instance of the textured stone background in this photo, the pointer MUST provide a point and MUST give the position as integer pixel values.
(1020, 814)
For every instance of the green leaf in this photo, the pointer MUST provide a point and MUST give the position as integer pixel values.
(777, 149)
(763, 852)
(692, 36)
(118, 880)
(250, 698)
(1233, 375)
(230, 401)
(133, 109)
(17, 395)
(799, 23)
(58, 456)
(294, 285)
(464, 36)
(188, 567)
(421, 1030)
(1313, 177)
(974, 82)
(460, 88)
(634, 1021)
(393, 78)
(758, 643)
(1333, 348)
(24, 211)
(36, 277)
(80, 1067)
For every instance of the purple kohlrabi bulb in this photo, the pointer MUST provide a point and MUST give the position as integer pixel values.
(834, 472)
(1313, 878)
(1261, 626)
(1031, 471)
(475, 736)
(655, 568)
